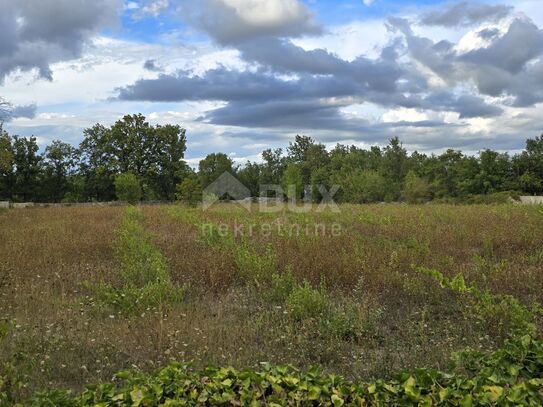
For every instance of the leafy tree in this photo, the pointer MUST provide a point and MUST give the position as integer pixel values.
(28, 166)
(273, 167)
(494, 172)
(97, 164)
(394, 161)
(190, 190)
(250, 176)
(297, 151)
(128, 187)
(213, 166)
(530, 183)
(360, 186)
(60, 163)
(153, 153)
(529, 166)
(320, 178)
(6, 165)
(293, 182)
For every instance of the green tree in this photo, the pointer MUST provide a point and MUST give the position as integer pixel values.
(394, 161)
(213, 166)
(530, 183)
(297, 150)
(28, 167)
(367, 186)
(529, 166)
(6, 165)
(128, 187)
(153, 153)
(250, 176)
(60, 163)
(189, 190)
(97, 164)
(293, 182)
(272, 168)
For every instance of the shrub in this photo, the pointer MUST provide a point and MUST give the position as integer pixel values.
(253, 266)
(127, 187)
(281, 285)
(502, 312)
(307, 302)
(189, 191)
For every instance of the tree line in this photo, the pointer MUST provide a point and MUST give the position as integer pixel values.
(133, 160)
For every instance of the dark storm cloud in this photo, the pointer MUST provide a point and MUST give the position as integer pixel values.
(465, 13)
(36, 34)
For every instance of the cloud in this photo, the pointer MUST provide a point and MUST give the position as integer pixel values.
(261, 99)
(522, 42)
(153, 8)
(509, 65)
(36, 34)
(8, 112)
(151, 65)
(234, 21)
(465, 13)
(26, 111)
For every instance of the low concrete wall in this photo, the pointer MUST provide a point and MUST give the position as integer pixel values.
(21, 205)
(531, 200)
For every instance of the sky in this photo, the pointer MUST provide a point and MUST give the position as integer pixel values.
(245, 75)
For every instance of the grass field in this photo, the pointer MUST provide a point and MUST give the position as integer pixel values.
(88, 291)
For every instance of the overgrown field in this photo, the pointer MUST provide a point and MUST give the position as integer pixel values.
(86, 292)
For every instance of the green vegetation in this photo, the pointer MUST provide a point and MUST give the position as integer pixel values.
(306, 169)
(145, 276)
(379, 308)
(128, 188)
(510, 376)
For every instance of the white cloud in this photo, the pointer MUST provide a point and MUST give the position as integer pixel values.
(154, 8)
(350, 40)
(231, 21)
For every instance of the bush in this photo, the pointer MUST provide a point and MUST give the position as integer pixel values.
(189, 191)
(281, 286)
(509, 376)
(253, 266)
(307, 302)
(127, 188)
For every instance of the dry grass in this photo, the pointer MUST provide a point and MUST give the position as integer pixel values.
(59, 337)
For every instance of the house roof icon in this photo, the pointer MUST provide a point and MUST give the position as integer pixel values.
(229, 185)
